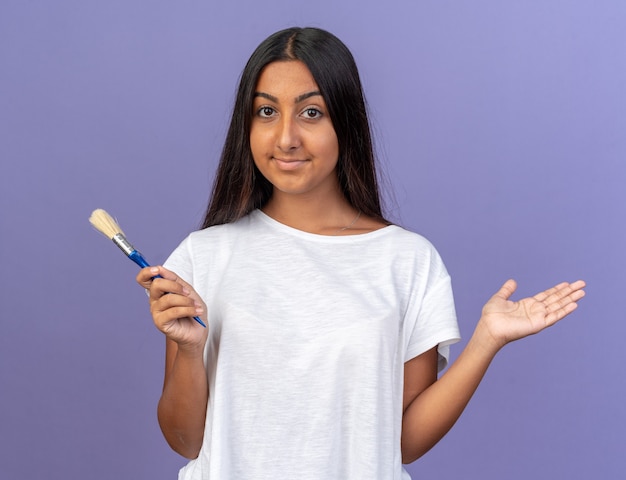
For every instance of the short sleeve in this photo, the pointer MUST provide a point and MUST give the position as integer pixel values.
(180, 261)
(435, 323)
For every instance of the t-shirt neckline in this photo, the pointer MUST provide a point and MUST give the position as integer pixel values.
(316, 236)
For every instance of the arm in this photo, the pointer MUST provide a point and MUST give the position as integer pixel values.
(182, 407)
(431, 411)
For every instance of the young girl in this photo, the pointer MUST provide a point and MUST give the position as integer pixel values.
(326, 324)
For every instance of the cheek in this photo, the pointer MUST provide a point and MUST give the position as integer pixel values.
(330, 147)
(258, 145)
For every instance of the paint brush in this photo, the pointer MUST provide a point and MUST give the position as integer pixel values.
(105, 224)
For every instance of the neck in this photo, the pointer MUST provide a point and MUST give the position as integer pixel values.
(324, 216)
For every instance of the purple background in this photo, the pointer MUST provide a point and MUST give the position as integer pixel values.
(502, 129)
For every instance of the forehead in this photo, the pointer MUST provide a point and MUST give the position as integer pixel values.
(286, 79)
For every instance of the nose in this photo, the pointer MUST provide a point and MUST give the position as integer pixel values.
(288, 135)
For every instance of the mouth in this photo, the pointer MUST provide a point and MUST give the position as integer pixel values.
(289, 163)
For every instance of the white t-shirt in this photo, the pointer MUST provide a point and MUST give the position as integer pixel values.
(308, 336)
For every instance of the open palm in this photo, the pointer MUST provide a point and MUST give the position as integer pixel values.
(508, 320)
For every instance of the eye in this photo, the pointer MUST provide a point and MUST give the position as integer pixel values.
(265, 112)
(311, 113)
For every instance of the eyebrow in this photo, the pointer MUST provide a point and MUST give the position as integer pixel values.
(299, 98)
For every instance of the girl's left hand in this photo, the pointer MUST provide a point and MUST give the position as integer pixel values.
(505, 321)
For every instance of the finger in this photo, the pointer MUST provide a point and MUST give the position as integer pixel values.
(175, 319)
(506, 290)
(165, 281)
(174, 299)
(174, 306)
(145, 276)
(560, 313)
(558, 302)
(563, 306)
(578, 285)
(542, 296)
(170, 275)
(562, 291)
(176, 285)
(161, 286)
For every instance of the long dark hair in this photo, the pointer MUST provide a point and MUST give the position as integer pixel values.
(239, 187)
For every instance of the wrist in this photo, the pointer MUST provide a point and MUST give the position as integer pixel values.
(190, 351)
(484, 339)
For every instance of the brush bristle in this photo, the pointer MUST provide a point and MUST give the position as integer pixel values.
(104, 223)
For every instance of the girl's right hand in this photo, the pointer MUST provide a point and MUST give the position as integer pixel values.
(173, 304)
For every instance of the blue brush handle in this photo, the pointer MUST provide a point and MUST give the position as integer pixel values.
(136, 257)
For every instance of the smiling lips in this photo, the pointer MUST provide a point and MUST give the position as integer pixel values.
(288, 164)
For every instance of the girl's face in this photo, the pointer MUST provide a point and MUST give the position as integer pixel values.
(293, 142)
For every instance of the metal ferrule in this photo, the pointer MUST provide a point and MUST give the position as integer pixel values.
(125, 246)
